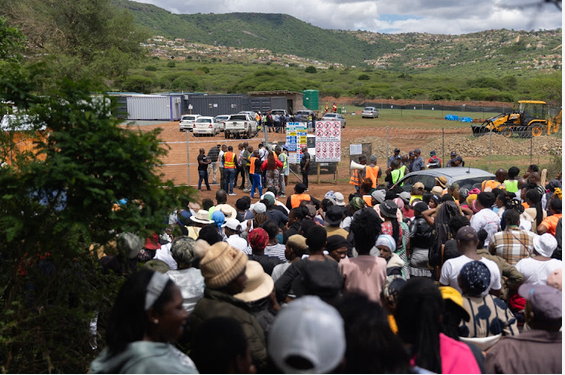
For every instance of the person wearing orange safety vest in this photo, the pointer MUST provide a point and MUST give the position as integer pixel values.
(372, 171)
(229, 170)
(294, 200)
(497, 183)
(255, 173)
(358, 175)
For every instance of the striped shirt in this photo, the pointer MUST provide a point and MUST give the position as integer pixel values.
(512, 244)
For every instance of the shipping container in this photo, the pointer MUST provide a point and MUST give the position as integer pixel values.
(214, 105)
(154, 107)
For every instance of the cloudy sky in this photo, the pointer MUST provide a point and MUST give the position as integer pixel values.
(389, 16)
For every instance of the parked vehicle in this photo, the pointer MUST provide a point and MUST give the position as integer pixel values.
(206, 125)
(187, 122)
(334, 117)
(466, 177)
(370, 112)
(220, 119)
(280, 112)
(250, 113)
(240, 125)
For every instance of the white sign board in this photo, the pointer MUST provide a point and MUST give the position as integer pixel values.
(296, 138)
(355, 149)
(328, 141)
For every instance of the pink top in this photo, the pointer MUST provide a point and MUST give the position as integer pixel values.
(456, 357)
(366, 273)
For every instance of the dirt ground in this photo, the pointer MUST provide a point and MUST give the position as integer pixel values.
(426, 139)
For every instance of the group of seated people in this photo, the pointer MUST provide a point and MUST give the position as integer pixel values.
(440, 281)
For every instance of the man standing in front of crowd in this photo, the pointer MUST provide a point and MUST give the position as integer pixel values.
(419, 164)
(213, 166)
(269, 122)
(372, 171)
(203, 163)
(229, 170)
(221, 160)
(305, 165)
(357, 175)
(245, 162)
(263, 153)
(277, 122)
(283, 159)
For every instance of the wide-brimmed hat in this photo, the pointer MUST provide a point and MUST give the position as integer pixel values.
(438, 190)
(202, 217)
(545, 245)
(442, 181)
(339, 199)
(228, 211)
(259, 284)
(334, 215)
(388, 209)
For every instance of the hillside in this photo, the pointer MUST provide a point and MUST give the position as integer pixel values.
(487, 53)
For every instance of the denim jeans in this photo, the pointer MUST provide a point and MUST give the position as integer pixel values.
(229, 174)
(203, 176)
(256, 178)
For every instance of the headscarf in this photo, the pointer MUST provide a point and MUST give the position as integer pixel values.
(386, 240)
(258, 239)
(357, 203)
(475, 278)
(219, 218)
(558, 193)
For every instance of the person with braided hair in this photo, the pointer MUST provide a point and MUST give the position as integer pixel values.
(535, 210)
(418, 316)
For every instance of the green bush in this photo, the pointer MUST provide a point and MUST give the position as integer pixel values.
(364, 77)
(311, 69)
(137, 83)
(151, 68)
(185, 82)
(171, 64)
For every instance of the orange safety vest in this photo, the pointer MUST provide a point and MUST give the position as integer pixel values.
(355, 180)
(252, 165)
(373, 174)
(493, 184)
(367, 199)
(230, 160)
(295, 199)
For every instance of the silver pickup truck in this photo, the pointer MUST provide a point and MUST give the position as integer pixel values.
(240, 125)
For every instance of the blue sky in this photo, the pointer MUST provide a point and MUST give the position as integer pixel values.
(431, 16)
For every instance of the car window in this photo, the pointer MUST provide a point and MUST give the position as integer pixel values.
(428, 181)
(470, 183)
(204, 120)
(238, 117)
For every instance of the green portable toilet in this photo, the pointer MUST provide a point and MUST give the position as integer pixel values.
(310, 99)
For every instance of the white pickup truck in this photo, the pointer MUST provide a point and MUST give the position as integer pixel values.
(240, 125)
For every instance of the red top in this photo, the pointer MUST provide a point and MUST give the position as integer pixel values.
(278, 164)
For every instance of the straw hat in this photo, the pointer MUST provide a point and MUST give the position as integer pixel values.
(259, 284)
(228, 211)
(202, 217)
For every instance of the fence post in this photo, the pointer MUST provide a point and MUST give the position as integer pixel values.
(531, 150)
(188, 157)
(443, 145)
(387, 154)
(490, 151)
(265, 134)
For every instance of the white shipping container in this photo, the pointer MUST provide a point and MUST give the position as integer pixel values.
(153, 107)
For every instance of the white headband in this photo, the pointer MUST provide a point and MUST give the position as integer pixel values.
(155, 288)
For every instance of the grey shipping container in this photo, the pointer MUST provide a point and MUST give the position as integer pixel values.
(261, 104)
(279, 103)
(214, 105)
(154, 107)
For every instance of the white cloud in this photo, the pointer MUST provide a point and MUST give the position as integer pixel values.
(432, 16)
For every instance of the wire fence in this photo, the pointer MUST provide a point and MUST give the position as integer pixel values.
(486, 150)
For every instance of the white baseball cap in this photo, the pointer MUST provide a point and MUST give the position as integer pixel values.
(311, 329)
(232, 224)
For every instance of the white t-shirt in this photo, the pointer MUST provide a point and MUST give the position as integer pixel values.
(279, 270)
(536, 271)
(452, 267)
(488, 220)
(164, 254)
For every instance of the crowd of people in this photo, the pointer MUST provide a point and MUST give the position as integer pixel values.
(384, 281)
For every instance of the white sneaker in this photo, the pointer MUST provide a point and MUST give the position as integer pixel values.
(232, 194)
